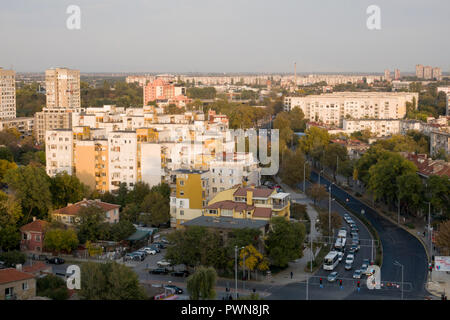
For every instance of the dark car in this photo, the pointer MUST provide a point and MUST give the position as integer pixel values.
(159, 271)
(156, 248)
(159, 245)
(183, 273)
(55, 260)
(176, 289)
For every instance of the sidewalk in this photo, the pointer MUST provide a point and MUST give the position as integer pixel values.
(440, 283)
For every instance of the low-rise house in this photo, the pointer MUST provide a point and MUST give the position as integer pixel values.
(37, 269)
(427, 166)
(355, 148)
(69, 215)
(16, 285)
(32, 236)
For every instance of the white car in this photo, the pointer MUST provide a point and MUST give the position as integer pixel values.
(350, 259)
(149, 250)
(340, 255)
(163, 263)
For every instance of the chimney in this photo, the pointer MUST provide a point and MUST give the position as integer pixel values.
(69, 204)
(19, 267)
(34, 218)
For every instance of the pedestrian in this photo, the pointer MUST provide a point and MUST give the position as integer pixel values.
(292, 274)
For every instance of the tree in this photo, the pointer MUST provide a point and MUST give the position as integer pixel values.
(5, 166)
(53, 287)
(140, 190)
(196, 246)
(10, 215)
(254, 260)
(109, 281)
(155, 208)
(61, 240)
(6, 154)
(66, 188)
(244, 237)
(121, 230)
(439, 190)
(292, 167)
(285, 241)
(325, 220)
(411, 191)
(383, 175)
(31, 187)
(297, 118)
(89, 224)
(443, 238)
(334, 154)
(317, 192)
(282, 122)
(298, 211)
(201, 284)
(314, 142)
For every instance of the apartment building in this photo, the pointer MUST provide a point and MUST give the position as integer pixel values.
(62, 99)
(189, 195)
(397, 74)
(419, 71)
(7, 94)
(25, 125)
(387, 75)
(59, 151)
(122, 158)
(446, 90)
(230, 169)
(333, 108)
(439, 140)
(160, 89)
(378, 127)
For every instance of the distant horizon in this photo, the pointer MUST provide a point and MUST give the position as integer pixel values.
(234, 36)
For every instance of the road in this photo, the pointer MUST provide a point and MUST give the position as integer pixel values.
(398, 245)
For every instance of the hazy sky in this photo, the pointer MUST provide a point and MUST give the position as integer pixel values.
(224, 35)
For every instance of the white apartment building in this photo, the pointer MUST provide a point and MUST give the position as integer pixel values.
(230, 169)
(378, 127)
(59, 151)
(439, 140)
(7, 94)
(62, 87)
(333, 108)
(122, 160)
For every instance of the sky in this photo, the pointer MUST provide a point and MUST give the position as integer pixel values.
(224, 35)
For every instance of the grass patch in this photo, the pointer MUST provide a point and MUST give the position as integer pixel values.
(317, 260)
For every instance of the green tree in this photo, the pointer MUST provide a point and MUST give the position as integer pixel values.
(285, 241)
(201, 284)
(66, 188)
(292, 167)
(155, 209)
(31, 187)
(334, 154)
(90, 223)
(5, 166)
(439, 194)
(282, 122)
(298, 122)
(411, 191)
(314, 142)
(109, 281)
(325, 220)
(53, 287)
(121, 230)
(11, 258)
(6, 154)
(60, 240)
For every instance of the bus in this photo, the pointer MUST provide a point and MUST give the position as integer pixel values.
(331, 260)
(342, 234)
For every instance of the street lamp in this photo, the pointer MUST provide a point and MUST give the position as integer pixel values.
(319, 175)
(304, 176)
(398, 264)
(235, 269)
(329, 211)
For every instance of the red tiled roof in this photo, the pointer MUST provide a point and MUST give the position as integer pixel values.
(427, 166)
(257, 192)
(37, 266)
(76, 207)
(12, 275)
(35, 226)
(229, 205)
(262, 213)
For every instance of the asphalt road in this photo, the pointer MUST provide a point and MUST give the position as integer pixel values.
(398, 245)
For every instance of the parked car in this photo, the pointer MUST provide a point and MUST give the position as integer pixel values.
(163, 263)
(55, 260)
(156, 248)
(137, 256)
(165, 241)
(159, 271)
(332, 276)
(183, 273)
(149, 250)
(176, 289)
(357, 274)
(2, 265)
(159, 245)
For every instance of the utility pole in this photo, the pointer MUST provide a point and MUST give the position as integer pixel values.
(430, 238)
(329, 212)
(304, 176)
(398, 213)
(396, 263)
(235, 271)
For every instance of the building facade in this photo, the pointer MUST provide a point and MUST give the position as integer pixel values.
(16, 285)
(32, 236)
(69, 215)
(7, 94)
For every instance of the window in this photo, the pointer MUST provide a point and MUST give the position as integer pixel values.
(38, 237)
(181, 193)
(181, 182)
(25, 286)
(181, 212)
(25, 237)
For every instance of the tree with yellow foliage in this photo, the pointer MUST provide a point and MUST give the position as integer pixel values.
(254, 260)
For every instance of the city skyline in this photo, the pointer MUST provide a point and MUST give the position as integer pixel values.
(210, 36)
